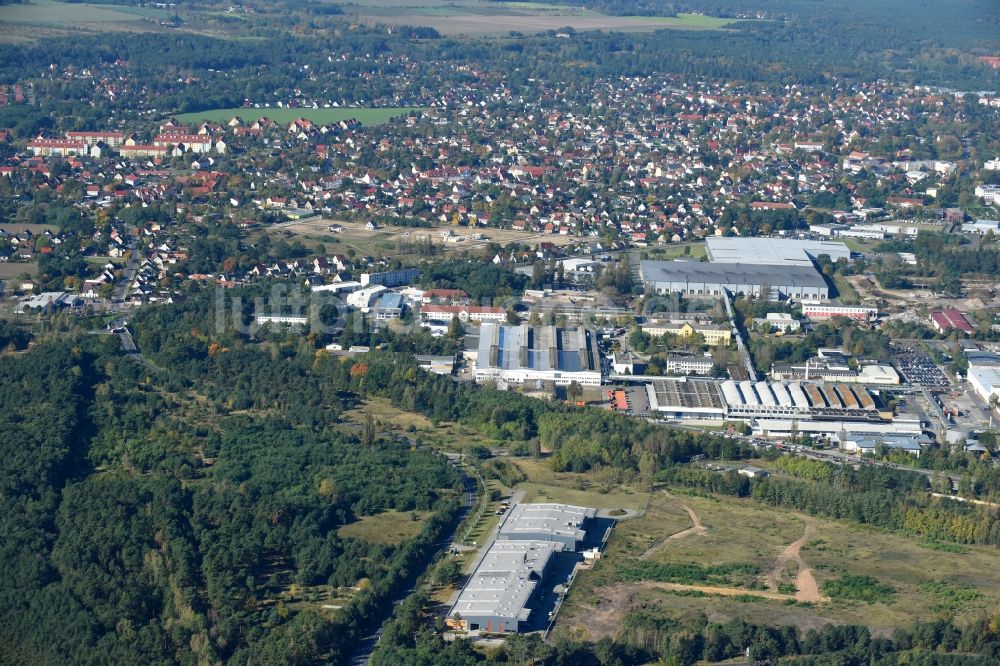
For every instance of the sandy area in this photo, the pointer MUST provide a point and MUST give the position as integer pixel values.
(805, 583)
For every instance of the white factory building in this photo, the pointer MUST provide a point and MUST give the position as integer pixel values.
(560, 523)
(516, 355)
(498, 597)
(984, 373)
(773, 251)
(777, 408)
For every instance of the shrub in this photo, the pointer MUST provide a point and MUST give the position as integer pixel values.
(858, 588)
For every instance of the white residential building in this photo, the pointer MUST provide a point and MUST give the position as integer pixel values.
(989, 193)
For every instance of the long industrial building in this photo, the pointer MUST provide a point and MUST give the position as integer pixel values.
(524, 353)
(559, 523)
(773, 251)
(698, 278)
(498, 597)
(781, 267)
(984, 373)
(777, 407)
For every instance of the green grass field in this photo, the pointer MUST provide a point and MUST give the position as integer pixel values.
(64, 14)
(545, 485)
(367, 116)
(51, 15)
(692, 250)
(475, 17)
(391, 527)
(853, 245)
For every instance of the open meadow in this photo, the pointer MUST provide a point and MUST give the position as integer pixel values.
(732, 558)
(388, 527)
(595, 489)
(445, 436)
(478, 17)
(10, 270)
(47, 18)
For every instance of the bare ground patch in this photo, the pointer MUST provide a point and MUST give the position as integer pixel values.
(805, 583)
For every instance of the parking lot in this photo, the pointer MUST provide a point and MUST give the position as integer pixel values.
(918, 368)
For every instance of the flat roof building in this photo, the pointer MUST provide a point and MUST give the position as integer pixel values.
(465, 313)
(675, 364)
(497, 596)
(524, 353)
(292, 320)
(781, 321)
(776, 408)
(48, 299)
(826, 311)
(698, 278)
(773, 251)
(397, 278)
(439, 365)
(985, 380)
(866, 445)
(559, 523)
(686, 399)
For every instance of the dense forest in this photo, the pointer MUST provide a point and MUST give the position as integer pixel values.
(145, 523)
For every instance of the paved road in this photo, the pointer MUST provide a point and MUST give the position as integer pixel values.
(740, 344)
(363, 653)
(128, 274)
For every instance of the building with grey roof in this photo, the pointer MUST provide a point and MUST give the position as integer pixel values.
(559, 523)
(496, 599)
(698, 278)
(53, 300)
(390, 306)
(911, 444)
(524, 353)
(397, 278)
(772, 251)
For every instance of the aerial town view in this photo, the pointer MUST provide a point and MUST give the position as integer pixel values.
(456, 332)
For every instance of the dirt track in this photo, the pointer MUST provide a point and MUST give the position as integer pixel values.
(805, 584)
(720, 591)
(696, 528)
